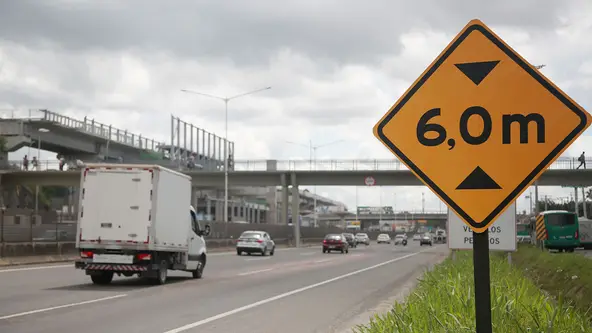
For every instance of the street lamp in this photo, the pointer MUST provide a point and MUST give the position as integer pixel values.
(225, 100)
(313, 157)
(529, 197)
(41, 130)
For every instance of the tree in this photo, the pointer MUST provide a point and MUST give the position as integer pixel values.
(569, 206)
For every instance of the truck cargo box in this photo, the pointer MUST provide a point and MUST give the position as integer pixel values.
(134, 207)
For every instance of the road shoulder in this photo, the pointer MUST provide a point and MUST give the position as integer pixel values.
(397, 295)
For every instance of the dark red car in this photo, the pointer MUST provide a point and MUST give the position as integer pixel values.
(335, 242)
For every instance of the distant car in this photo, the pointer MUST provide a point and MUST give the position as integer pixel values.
(362, 238)
(416, 237)
(383, 238)
(335, 242)
(255, 242)
(351, 241)
(426, 239)
(401, 239)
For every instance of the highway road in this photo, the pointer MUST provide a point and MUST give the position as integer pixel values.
(296, 290)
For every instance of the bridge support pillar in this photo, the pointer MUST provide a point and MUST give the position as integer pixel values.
(285, 200)
(194, 197)
(295, 210)
(209, 209)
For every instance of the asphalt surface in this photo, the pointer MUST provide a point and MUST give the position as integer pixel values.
(296, 290)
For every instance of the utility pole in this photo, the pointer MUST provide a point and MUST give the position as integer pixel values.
(422, 202)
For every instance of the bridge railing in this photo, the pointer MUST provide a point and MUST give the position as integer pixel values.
(563, 163)
(108, 132)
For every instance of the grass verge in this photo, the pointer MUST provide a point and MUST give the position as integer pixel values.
(444, 302)
(566, 275)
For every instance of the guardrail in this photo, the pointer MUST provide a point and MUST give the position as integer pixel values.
(563, 163)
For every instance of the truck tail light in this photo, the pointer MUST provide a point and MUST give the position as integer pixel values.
(86, 254)
(144, 256)
(577, 234)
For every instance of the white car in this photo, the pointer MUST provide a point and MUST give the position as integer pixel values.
(416, 237)
(362, 238)
(255, 242)
(383, 238)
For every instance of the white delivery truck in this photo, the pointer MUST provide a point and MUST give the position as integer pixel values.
(137, 219)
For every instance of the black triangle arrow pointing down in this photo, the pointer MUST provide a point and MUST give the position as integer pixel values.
(478, 180)
(477, 71)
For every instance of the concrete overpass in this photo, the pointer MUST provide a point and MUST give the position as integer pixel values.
(215, 179)
(294, 178)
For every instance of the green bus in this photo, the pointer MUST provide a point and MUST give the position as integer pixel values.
(562, 230)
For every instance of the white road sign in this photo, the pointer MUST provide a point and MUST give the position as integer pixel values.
(502, 233)
(369, 181)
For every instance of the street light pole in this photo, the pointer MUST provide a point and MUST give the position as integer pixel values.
(226, 148)
(41, 130)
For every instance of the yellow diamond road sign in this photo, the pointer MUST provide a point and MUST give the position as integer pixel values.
(480, 125)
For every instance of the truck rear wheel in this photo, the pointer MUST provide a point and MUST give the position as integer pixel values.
(103, 278)
(161, 274)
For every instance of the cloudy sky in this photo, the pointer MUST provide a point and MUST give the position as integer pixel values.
(335, 67)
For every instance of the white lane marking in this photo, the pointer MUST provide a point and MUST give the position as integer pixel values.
(284, 295)
(307, 253)
(34, 268)
(62, 306)
(255, 259)
(322, 260)
(255, 272)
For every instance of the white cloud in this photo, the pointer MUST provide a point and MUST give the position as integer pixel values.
(331, 79)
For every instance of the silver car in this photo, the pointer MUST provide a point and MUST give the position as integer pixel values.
(255, 242)
(362, 238)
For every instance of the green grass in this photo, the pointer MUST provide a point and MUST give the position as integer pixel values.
(443, 301)
(566, 275)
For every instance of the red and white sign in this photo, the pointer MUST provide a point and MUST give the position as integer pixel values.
(369, 181)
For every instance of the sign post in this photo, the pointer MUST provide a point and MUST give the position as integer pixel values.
(478, 127)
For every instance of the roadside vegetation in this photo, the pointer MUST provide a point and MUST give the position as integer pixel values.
(443, 301)
(565, 275)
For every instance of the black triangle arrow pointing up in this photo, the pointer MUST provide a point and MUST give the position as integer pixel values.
(477, 71)
(478, 180)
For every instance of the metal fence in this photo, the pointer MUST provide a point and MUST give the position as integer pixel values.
(562, 163)
(22, 228)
